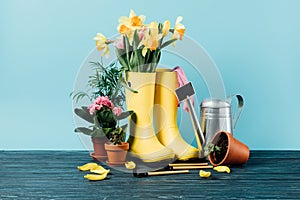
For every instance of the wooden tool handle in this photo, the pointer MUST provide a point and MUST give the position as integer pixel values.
(192, 167)
(168, 172)
(188, 164)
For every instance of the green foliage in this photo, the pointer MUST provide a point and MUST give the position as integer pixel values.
(83, 113)
(105, 82)
(106, 118)
(209, 148)
(104, 124)
(117, 136)
(131, 58)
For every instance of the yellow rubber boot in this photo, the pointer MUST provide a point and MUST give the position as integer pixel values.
(143, 141)
(166, 116)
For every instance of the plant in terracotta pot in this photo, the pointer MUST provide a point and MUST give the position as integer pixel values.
(106, 118)
(116, 147)
(104, 83)
(224, 149)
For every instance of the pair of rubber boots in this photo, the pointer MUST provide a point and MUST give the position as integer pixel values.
(156, 92)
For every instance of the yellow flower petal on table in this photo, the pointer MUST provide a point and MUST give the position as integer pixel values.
(95, 177)
(100, 171)
(222, 169)
(204, 174)
(88, 166)
(99, 168)
(166, 28)
(130, 165)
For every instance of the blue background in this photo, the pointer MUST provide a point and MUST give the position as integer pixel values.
(255, 45)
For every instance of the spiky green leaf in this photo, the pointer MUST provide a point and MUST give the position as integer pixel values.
(84, 131)
(167, 43)
(84, 114)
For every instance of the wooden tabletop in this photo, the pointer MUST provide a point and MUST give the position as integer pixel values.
(54, 175)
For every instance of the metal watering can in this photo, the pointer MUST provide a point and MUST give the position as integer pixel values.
(216, 115)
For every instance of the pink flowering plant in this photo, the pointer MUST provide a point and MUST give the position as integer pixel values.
(105, 118)
(104, 112)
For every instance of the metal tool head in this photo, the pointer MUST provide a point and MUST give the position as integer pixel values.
(185, 91)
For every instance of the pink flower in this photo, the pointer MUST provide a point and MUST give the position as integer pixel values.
(94, 107)
(141, 33)
(99, 103)
(117, 110)
(119, 43)
(104, 101)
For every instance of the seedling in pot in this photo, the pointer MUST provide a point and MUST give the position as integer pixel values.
(210, 148)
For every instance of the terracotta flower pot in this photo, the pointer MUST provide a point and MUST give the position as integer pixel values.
(99, 153)
(236, 152)
(116, 153)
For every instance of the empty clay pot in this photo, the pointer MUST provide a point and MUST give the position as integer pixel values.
(236, 153)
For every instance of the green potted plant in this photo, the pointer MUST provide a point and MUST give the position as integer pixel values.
(117, 148)
(224, 149)
(106, 118)
(105, 111)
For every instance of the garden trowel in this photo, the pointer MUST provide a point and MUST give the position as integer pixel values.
(184, 93)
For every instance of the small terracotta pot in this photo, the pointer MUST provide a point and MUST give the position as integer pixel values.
(237, 152)
(99, 150)
(116, 153)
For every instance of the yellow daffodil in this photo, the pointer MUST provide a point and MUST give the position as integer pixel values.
(153, 26)
(179, 30)
(151, 40)
(102, 44)
(166, 28)
(127, 25)
(133, 21)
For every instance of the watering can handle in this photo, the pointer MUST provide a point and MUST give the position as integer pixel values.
(239, 109)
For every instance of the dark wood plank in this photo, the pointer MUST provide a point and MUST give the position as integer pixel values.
(53, 175)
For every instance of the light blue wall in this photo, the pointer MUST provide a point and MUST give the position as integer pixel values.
(255, 44)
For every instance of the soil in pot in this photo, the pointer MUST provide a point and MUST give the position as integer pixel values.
(223, 145)
(232, 151)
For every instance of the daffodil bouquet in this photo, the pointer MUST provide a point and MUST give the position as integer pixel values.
(139, 45)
